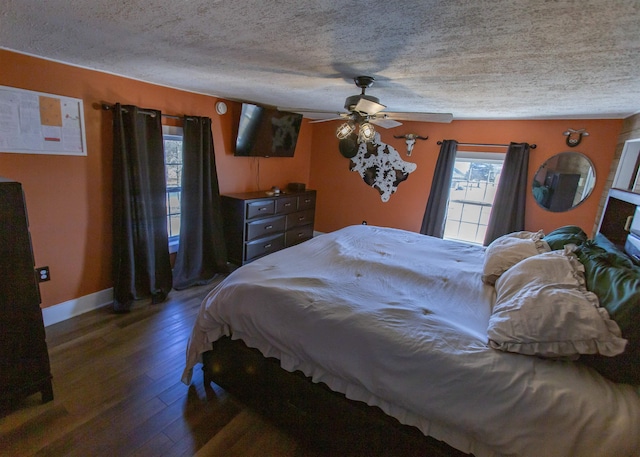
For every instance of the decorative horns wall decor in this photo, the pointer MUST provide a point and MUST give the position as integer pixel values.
(410, 139)
(574, 137)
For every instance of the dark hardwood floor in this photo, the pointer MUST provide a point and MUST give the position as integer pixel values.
(116, 381)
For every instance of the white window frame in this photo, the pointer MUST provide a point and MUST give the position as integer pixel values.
(479, 156)
(172, 133)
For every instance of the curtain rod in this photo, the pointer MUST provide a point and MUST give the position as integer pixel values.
(492, 145)
(107, 107)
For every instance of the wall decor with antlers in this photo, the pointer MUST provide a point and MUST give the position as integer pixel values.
(410, 139)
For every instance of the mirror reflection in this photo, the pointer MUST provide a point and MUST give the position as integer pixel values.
(564, 181)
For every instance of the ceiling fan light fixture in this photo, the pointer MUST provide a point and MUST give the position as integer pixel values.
(366, 132)
(345, 130)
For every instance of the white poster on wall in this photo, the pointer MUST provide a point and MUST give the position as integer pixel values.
(39, 123)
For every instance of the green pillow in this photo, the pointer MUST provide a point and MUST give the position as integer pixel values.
(616, 282)
(569, 234)
(604, 243)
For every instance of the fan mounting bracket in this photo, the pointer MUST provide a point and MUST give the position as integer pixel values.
(363, 82)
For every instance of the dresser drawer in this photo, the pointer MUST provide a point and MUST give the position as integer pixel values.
(263, 227)
(298, 235)
(299, 218)
(307, 201)
(260, 208)
(263, 246)
(286, 205)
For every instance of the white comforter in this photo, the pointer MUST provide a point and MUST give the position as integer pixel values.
(399, 320)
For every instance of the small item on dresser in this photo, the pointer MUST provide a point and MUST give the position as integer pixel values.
(296, 187)
(275, 191)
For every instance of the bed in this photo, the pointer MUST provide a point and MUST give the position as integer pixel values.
(415, 326)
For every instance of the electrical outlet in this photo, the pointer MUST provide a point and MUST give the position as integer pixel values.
(43, 274)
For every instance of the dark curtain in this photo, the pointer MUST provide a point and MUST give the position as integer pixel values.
(202, 252)
(435, 214)
(141, 267)
(507, 214)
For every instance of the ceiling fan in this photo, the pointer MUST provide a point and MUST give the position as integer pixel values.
(363, 110)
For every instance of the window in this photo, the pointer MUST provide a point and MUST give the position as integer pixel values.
(473, 188)
(173, 168)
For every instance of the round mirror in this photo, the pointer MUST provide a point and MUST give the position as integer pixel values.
(564, 181)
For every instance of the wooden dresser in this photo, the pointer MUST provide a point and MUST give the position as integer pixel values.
(256, 224)
(24, 360)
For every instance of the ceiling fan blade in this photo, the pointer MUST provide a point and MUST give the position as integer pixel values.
(317, 121)
(316, 114)
(419, 117)
(368, 107)
(378, 116)
(385, 123)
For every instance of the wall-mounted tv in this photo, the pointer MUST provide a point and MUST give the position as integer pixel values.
(267, 132)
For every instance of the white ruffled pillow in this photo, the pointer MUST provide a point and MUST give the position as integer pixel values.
(507, 250)
(544, 308)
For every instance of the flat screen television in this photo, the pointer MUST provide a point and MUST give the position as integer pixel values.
(267, 132)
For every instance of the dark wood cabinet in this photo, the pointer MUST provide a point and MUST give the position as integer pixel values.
(257, 224)
(24, 360)
(618, 217)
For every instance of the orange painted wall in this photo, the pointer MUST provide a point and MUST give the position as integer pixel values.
(69, 197)
(344, 199)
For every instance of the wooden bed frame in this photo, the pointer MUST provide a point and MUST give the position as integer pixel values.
(305, 407)
(247, 374)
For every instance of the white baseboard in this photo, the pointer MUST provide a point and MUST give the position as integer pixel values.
(63, 311)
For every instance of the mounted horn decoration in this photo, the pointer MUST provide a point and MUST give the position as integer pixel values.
(410, 139)
(574, 137)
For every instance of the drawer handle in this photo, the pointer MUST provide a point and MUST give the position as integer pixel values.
(287, 204)
(300, 235)
(301, 218)
(262, 208)
(627, 224)
(268, 227)
(308, 200)
(267, 246)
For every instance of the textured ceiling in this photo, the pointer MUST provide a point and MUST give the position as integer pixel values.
(487, 59)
